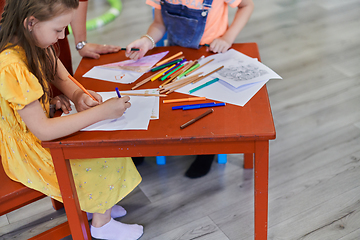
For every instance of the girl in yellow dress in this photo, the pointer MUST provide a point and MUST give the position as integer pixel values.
(28, 63)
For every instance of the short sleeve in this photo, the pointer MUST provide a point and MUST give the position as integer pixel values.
(19, 86)
(233, 3)
(154, 3)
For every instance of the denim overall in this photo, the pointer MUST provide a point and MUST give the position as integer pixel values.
(185, 26)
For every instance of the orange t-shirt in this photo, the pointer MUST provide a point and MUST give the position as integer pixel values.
(217, 20)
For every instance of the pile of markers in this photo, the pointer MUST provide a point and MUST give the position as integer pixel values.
(175, 73)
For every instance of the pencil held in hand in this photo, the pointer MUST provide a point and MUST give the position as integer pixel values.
(82, 87)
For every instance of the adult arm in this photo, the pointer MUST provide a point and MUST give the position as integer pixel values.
(78, 25)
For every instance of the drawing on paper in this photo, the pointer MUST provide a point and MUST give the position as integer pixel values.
(241, 72)
(142, 65)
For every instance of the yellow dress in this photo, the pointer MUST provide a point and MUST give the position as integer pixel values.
(100, 183)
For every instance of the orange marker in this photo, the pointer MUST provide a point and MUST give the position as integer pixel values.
(185, 99)
(81, 86)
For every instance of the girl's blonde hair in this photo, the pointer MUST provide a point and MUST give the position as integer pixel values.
(41, 62)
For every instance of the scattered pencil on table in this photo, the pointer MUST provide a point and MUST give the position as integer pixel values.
(117, 92)
(184, 100)
(81, 86)
(166, 64)
(162, 73)
(196, 119)
(168, 59)
(133, 49)
(144, 94)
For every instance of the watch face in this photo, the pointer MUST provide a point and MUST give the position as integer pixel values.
(80, 45)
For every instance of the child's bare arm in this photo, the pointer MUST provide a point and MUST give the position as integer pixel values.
(81, 100)
(46, 128)
(242, 16)
(156, 31)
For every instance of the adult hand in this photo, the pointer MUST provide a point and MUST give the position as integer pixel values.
(93, 50)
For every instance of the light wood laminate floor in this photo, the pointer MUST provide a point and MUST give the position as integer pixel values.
(314, 185)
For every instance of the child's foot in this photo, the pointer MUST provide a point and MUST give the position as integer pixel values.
(116, 212)
(138, 160)
(200, 167)
(117, 230)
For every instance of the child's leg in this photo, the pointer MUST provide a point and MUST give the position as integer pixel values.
(105, 227)
(116, 212)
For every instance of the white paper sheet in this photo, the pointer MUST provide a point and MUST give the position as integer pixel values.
(240, 79)
(136, 117)
(217, 91)
(238, 70)
(114, 72)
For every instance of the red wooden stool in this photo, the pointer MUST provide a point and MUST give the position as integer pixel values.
(14, 195)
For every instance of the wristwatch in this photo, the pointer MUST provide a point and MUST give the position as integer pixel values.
(80, 45)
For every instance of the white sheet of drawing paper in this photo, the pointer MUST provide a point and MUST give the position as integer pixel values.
(136, 117)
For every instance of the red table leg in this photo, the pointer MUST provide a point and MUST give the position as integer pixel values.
(261, 189)
(77, 219)
(248, 160)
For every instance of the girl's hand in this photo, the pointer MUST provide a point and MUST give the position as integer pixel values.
(83, 101)
(93, 50)
(115, 107)
(144, 44)
(219, 45)
(61, 102)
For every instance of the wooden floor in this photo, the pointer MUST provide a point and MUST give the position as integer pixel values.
(314, 188)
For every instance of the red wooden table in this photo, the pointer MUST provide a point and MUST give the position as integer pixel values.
(230, 129)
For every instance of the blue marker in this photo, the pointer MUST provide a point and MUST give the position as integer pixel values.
(193, 105)
(204, 106)
(117, 91)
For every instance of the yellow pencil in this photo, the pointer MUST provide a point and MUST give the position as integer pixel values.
(161, 73)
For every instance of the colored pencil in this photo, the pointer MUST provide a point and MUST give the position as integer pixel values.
(168, 59)
(166, 64)
(162, 73)
(189, 72)
(202, 77)
(184, 100)
(81, 86)
(144, 94)
(196, 119)
(178, 73)
(178, 84)
(186, 70)
(143, 81)
(173, 71)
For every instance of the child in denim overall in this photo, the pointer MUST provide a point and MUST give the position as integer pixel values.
(192, 24)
